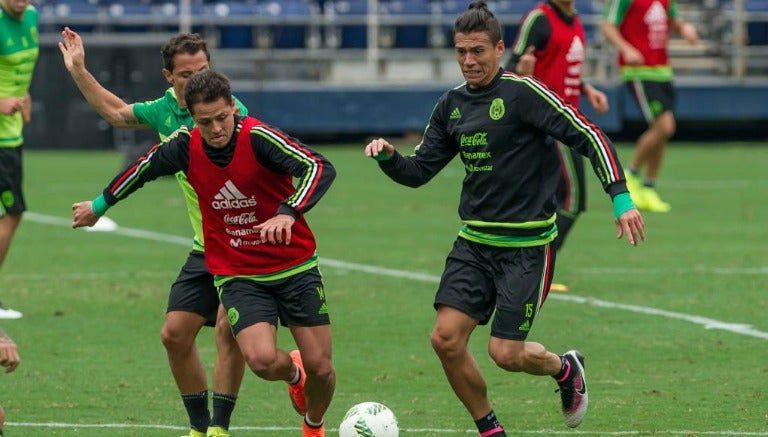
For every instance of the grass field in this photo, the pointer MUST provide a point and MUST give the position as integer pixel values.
(675, 331)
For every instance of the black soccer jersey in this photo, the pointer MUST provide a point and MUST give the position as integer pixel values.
(499, 132)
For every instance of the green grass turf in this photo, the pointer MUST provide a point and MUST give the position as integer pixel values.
(93, 305)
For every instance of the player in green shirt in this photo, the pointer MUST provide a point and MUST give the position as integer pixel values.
(193, 301)
(19, 49)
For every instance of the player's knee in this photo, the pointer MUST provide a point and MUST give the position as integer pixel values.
(262, 364)
(508, 359)
(666, 125)
(445, 344)
(174, 338)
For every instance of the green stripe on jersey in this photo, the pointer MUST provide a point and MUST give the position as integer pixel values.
(508, 240)
(656, 73)
(219, 280)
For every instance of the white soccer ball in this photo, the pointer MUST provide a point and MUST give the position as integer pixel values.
(369, 419)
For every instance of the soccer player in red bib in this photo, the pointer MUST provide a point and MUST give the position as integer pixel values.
(259, 247)
(550, 45)
(640, 30)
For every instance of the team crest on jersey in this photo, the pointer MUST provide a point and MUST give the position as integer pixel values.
(497, 109)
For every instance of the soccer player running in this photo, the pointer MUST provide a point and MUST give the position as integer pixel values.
(258, 244)
(9, 359)
(503, 259)
(193, 301)
(640, 31)
(550, 46)
(18, 55)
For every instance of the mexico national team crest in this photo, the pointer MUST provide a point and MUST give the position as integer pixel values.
(497, 109)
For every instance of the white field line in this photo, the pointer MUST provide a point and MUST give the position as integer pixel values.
(405, 430)
(707, 323)
(737, 328)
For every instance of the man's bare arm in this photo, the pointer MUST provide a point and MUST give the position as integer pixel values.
(112, 108)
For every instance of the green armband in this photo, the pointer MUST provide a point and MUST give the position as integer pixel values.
(621, 204)
(99, 205)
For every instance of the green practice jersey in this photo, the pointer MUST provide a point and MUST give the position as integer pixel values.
(19, 49)
(165, 116)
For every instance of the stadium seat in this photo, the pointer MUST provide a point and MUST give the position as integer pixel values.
(757, 31)
(79, 15)
(347, 35)
(235, 36)
(132, 16)
(409, 35)
(287, 36)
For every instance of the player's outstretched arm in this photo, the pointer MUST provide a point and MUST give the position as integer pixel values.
(109, 106)
(83, 214)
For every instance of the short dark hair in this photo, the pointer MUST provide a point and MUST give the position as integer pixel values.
(206, 86)
(478, 18)
(187, 43)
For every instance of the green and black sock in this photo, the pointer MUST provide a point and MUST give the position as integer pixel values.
(223, 405)
(196, 405)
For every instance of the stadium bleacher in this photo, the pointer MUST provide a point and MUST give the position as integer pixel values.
(401, 25)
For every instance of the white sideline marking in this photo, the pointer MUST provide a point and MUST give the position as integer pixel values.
(707, 323)
(406, 430)
(737, 328)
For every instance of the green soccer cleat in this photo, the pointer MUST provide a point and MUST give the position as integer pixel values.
(194, 433)
(217, 431)
(652, 202)
(635, 188)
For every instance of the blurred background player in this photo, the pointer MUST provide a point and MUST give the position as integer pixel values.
(550, 46)
(193, 301)
(640, 31)
(19, 49)
(9, 358)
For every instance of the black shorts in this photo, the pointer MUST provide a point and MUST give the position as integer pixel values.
(479, 279)
(653, 98)
(11, 195)
(571, 192)
(297, 300)
(194, 291)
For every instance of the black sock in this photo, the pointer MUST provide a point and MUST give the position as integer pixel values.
(488, 425)
(197, 409)
(223, 405)
(564, 369)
